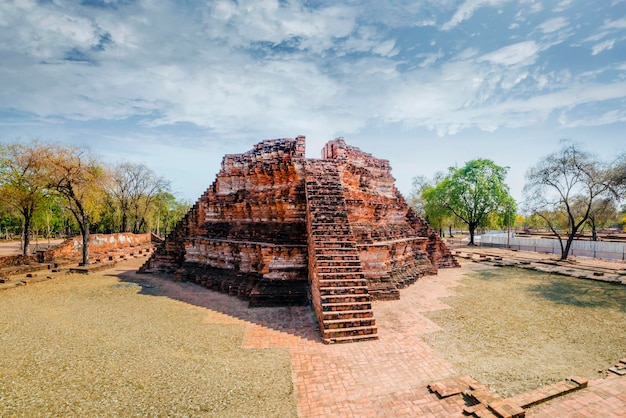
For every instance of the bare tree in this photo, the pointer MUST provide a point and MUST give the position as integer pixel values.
(565, 185)
(134, 187)
(603, 212)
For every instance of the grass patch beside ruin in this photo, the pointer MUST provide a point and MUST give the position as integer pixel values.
(516, 330)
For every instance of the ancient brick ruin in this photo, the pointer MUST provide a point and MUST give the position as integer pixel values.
(277, 228)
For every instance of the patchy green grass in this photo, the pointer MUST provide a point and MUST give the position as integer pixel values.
(516, 330)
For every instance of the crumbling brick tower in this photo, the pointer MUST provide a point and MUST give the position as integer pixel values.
(276, 228)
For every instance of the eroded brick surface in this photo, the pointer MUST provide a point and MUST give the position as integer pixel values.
(276, 228)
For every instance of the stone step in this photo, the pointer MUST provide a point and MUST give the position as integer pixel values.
(339, 266)
(343, 282)
(337, 257)
(328, 251)
(331, 231)
(350, 339)
(346, 299)
(337, 263)
(342, 270)
(334, 333)
(345, 306)
(358, 313)
(335, 244)
(349, 323)
(343, 290)
(341, 253)
(350, 275)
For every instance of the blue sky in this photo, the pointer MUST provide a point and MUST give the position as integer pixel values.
(426, 84)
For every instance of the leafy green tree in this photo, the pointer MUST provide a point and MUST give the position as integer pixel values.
(563, 188)
(167, 212)
(422, 202)
(80, 178)
(473, 193)
(23, 182)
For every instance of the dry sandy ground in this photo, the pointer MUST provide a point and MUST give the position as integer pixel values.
(14, 247)
(100, 346)
(104, 345)
(516, 330)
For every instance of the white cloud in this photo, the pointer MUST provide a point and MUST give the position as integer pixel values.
(615, 24)
(602, 46)
(553, 25)
(258, 68)
(467, 9)
(249, 21)
(563, 5)
(522, 53)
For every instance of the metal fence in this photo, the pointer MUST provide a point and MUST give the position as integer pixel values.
(592, 249)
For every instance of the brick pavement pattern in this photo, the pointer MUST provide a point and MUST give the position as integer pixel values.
(389, 377)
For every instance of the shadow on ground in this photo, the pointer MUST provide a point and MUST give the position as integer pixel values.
(295, 320)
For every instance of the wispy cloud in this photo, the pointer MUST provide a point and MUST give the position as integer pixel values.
(602, 46)
(522, 53)
(467, 9)
(553, 25)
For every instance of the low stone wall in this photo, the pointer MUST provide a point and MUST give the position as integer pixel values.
(17, 260)
(99, 244)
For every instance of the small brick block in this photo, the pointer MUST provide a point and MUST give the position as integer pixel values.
(618, 370)
(580, 381)
(506, 408)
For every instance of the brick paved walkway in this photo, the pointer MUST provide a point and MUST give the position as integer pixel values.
(388, 377)
(382, 378)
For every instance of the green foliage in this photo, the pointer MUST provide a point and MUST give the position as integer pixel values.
(475, 193)
(60, 190)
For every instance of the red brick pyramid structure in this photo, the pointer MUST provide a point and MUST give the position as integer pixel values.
(277, 229)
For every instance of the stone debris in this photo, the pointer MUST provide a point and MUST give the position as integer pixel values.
(276, 229)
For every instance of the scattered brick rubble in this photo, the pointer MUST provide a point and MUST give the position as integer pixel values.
(483, 402)
(276, 228)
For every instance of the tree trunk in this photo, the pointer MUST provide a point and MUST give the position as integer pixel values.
(450, 230)
(472, 230)
(86, 237)
(27, 220)
(594, 232)
(565, 250)
(124, 221)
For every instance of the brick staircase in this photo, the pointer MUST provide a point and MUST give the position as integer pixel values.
(170, 254)
(339, 292)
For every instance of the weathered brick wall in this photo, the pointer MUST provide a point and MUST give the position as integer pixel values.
(393, 253)
(71, 248)
(17, 260)
(98, 244)
(251, 221)
(251, 224)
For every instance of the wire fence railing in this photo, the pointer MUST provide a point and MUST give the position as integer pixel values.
(592, 249)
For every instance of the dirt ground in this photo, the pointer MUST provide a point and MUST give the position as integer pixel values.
(114, 344)
(100, 345)
(15, 247)
(516, 330)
